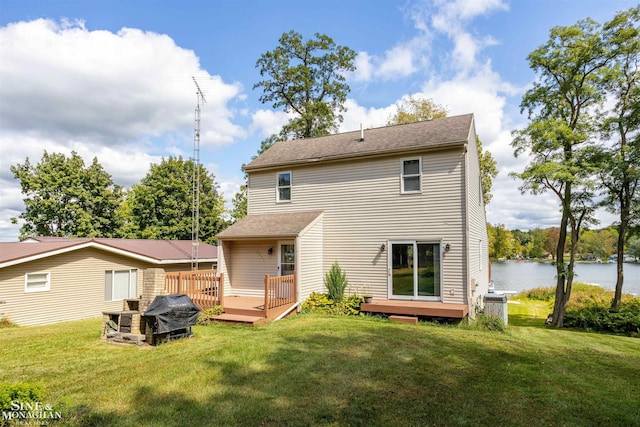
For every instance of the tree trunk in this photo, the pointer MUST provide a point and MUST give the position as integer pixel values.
(559, 306)
(622, 231)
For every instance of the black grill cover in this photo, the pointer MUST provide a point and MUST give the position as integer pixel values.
(168, 313)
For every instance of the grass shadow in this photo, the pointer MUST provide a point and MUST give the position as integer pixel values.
(341, 371)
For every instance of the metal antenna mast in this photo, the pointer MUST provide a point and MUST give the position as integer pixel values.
(195, 212)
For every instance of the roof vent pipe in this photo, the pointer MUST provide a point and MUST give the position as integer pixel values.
(361, 133)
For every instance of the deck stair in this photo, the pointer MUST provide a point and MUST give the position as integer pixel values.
(240, 318)
(250, 311)
(404, 319)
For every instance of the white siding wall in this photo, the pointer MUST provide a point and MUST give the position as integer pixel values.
(478, 238)
(311, 255)
(246, 263)
(364, 208)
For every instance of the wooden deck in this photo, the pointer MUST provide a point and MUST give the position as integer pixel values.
(250, 310)
(416, 308)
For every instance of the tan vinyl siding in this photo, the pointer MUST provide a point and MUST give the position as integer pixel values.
(224, 265)
(249, 262)
(478, 238)
(364, 208)
(77, 286)
(310, 250)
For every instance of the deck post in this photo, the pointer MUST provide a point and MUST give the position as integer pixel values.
(221, 290)
(295, 286)
(266, 295)
(179, 291)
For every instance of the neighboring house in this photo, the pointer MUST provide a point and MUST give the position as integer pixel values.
(400, 208)
(51, 279)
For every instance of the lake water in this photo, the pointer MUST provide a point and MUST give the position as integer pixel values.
(520, 276)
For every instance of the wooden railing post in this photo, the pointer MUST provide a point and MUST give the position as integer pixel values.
(221, 290)
(266, 295)
(179, 290)
(295, 287)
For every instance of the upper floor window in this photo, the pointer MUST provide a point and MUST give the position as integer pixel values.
(37, 282)
(283, 187)
(411, 175)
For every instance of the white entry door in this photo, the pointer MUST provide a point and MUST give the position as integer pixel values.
(286, 259)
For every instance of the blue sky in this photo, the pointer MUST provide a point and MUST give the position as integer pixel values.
(112, 79)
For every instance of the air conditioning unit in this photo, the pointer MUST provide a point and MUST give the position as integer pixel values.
(495, 305)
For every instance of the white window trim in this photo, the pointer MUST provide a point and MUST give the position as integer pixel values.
(403, 176)
(31, 290)
(278, 187)
(131, 283)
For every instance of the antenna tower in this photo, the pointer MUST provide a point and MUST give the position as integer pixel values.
(195, 211)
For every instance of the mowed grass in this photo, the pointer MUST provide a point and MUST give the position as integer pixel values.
(312, 370)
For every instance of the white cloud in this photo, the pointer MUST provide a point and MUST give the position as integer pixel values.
(357, 115)
(268, 122)
(65, 82)
(397, 63)
(364, 67)
(452, 18)
(127, 98)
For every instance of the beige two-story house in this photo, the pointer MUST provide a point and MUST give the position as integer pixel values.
(400, 208)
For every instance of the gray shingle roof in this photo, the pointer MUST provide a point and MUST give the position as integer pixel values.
(270, 225)
(430, 134)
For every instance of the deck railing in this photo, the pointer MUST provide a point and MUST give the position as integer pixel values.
(278, 291)
(204, 287)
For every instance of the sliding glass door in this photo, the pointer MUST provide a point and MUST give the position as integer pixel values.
(415, 270)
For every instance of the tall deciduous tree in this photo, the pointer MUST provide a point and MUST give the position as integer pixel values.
(307, 79)
(560, 105)
(239, 204)
(161, 205)
(65, 198)
(416, 109)
(619, 161)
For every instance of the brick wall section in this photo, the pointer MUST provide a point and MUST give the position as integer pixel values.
(152, 286)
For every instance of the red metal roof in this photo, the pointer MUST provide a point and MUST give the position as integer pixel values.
(159, 251)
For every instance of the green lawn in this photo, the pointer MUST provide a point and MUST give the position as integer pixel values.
(311, 370)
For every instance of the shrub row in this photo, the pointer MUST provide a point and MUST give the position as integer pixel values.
(601, 317)
(323, 304)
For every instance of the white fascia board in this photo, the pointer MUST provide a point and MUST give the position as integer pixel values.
(184, 260)
(78, 247)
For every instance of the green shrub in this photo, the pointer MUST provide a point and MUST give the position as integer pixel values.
(205, 316)
(6, 323)
(488, 323)
(22, 392)
(23, 398)
(599, 316)
(336, 282)
(323, 304)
